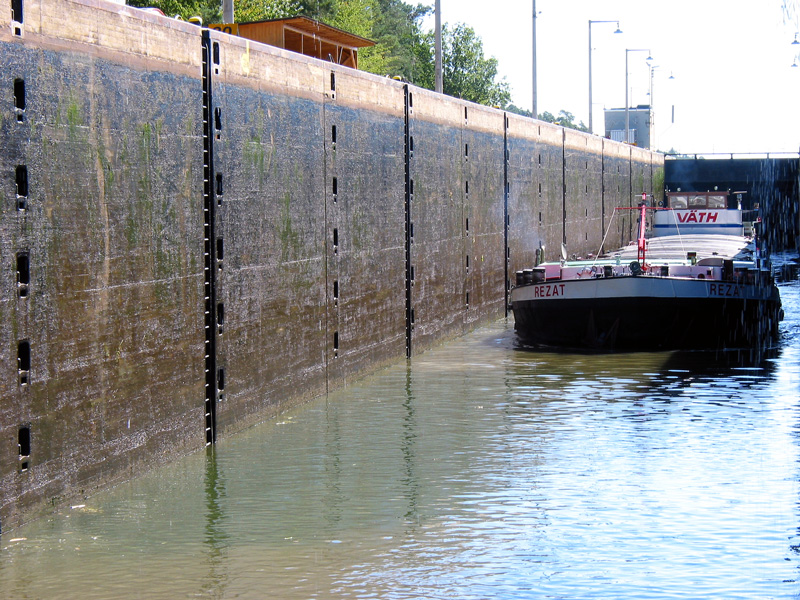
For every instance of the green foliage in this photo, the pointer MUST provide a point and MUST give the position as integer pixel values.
(658, 185)
(397, 31)
(209, 10)
(321, 10)
(466, 73)
(246, 11)
(358, 17)
(519, 111)
(565, 119)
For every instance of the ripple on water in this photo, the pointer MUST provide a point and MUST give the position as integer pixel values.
(474, 471)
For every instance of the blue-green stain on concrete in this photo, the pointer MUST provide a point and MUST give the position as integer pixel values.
(73, 119)
(288, 236)
(254, 159)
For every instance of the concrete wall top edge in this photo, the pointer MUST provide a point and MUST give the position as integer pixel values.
(261, 66)
(644, 155)
(440, 108)
(104, 28)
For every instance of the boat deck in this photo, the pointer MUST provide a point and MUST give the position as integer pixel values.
(676, 247)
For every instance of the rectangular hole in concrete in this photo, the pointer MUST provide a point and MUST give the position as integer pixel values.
(24, 441)
(467, 225)
(216, 53)
(23, 274)
(219, 184)
(333, 134)
(23, 361)
(19, 97)
(16, 11)
(467, 262)
(220, 252)
(336, 290)
(335, 238)
(22, 180)
(218, 120)
(333, 82)
(466, 187)
(221, 379)
(24, 445)
(335, 187)
(336, 340)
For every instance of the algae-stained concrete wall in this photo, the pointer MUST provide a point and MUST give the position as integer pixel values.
(198, 230)
(365, 210)
(270, 230)
(100, 175)
(437, 221)
(311, 222)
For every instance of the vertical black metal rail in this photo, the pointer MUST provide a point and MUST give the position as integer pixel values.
(507, 254)
(408, 198)
(209, 248)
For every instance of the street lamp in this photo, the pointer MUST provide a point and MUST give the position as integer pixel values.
(651, 93)
(438, 81)
(649, 60)
(590, 65)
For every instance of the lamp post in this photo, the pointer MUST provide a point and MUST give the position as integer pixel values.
(590, 66)
(438, 83)
(651, 93)
(649, 60)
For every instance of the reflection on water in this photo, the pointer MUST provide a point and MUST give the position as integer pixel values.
(477, 470)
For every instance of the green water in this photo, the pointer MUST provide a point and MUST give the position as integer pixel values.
(476, 470)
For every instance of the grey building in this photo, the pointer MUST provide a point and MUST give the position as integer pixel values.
(639, 120)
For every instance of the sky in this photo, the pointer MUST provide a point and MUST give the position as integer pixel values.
(733, 88)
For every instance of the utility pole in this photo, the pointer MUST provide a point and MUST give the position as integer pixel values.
(227, 11)
(533, 109)
(439, 85)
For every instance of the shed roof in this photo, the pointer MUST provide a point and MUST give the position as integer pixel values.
(319, 29)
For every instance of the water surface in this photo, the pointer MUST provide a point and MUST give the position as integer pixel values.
(477, 470)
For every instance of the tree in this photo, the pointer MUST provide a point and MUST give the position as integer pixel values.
(246, 11)
(466, 73)
(518, 111)
(321, 10)
(209, 10)
(564, 119)
(358, 17)
(397, 31)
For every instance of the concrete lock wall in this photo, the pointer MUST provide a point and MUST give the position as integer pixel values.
(101, 349)
(199, 231)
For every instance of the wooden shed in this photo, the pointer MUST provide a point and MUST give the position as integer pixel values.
(304, 36)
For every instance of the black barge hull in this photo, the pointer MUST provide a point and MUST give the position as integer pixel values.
(636, 313)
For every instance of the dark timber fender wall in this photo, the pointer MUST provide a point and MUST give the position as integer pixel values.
(199, 231)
